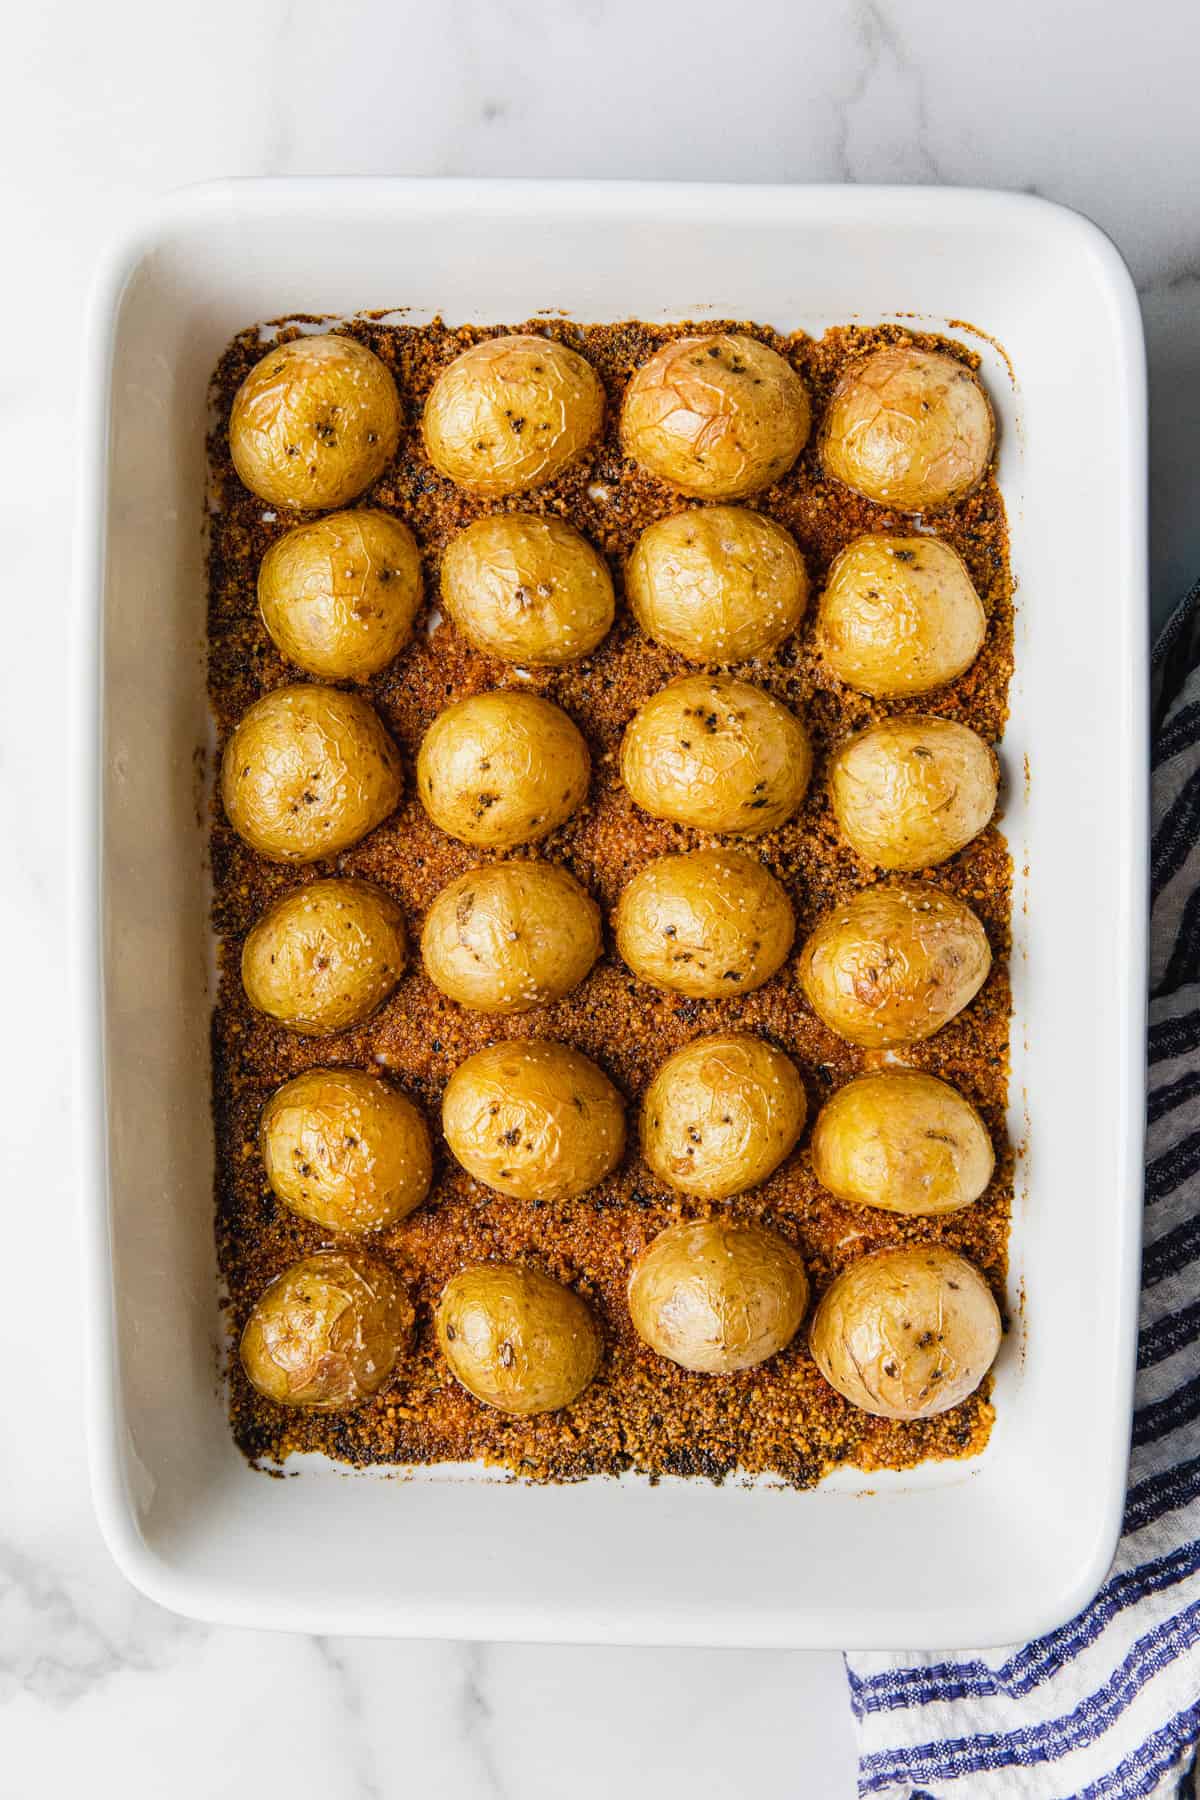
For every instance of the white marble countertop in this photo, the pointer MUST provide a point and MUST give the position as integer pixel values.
(107, 104)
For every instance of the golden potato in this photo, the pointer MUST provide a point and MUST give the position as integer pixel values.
(328, 1332)
(911, 429)
(342, 1149)
(717, 754)
(338, 595)
(714, 1296)
(527, 588)
(906, 1334)
(903, 1141)
(307, 772)
(718, 584)
(894, 963)
(325, 956)
(314, 423)
(717, 416)
(510, 936)
(502, 769)
(511, 413)
(899, 616)
(706, 924)
(516, 1339)
(911, 791)
(534, 1119)
(721, 1114)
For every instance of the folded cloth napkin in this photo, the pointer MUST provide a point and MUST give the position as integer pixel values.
(1108, 1706)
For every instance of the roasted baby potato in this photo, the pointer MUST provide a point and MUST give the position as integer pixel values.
(911, 791)
(328, 1332)
(516, 1339)
(534, 1119)
(907, 1333)
(716, 754)
(314, 423)
(899, 616)
(510, 936)
(718, 417)
(324, 957)
(714, 1296)
(511, 413)
(721, 1114)
(528, 588)
(338, 595)
(894, 963)
(502, 769)
(342, 1149)
(706, 924)
(903, 1141)
(718, 584)
(908, 428)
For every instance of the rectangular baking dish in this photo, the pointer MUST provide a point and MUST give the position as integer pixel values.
(955, 1554)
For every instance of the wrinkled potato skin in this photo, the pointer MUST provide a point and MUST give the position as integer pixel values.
(511, 413)
(909, 792)
(529, 589)
(909, 428)
(325, 956)
(534, 1119)
(714, 1296)
(894, 963)
(716, 754)
(328, 1332)
(903, 1141)
(307, 772)
(721, 1115)
(338, 595)
(502, 769)
(704, 924)
(345, 1151)
(331, 402)
(906, 1334)
(717, 417)
(899, 616)
(510, 936)
(717, 584)
(516, 1339)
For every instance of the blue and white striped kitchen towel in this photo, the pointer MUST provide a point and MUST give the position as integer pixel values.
(1109, 1706)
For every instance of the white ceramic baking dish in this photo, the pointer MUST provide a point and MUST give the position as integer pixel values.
(960, 1554)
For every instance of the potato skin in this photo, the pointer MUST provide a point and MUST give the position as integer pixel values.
(325, 956)
(721, 1115)
(908, 428)
(718, 416)
(510, 936)
(328, 1332)
(911, 791)
(717, 584)
(516, 1339)
(502, 769)
(894, 963)
(527, 588)
(534, 1119)
(338, 595)
(715, 1296)
(899, 616)
(307, 772)
(706, 924)
(344, 1150)
(315, 422)
(904, 1141)
(717, 754)
(907, 1333)
(511, 413)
